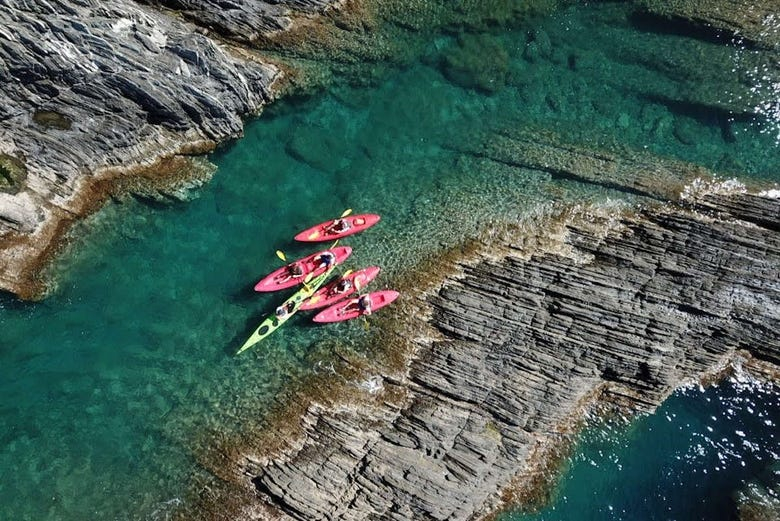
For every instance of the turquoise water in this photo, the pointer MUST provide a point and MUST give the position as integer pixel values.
(116, 383)
(698, 456)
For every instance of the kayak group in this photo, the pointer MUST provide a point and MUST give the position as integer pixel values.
(313, 271)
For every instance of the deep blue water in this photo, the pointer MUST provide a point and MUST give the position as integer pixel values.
(695, 458)
(114, 383)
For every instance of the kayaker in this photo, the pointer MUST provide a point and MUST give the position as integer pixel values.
(362, 304)
(294, 271)
(343, 286)
(283, 311)
(325, 260)
(338, 226)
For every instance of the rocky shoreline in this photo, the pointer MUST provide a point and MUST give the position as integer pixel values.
(499, 362)
(93, 94)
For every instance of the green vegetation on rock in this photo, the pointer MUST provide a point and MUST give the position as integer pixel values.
(12, 172)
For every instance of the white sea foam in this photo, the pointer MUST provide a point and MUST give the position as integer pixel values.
(701, 187)
(373, 385)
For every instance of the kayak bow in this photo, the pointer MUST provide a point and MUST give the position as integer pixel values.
(272, 322)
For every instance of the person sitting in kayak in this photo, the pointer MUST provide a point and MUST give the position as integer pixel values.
(338, 226)
(294, 271)
(362, 305)
(325, 260)
(283, 311)
(343, 286)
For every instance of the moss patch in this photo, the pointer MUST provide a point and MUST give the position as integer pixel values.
(12, 173)
(49, 119)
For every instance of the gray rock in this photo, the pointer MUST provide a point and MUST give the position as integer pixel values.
(91, 90)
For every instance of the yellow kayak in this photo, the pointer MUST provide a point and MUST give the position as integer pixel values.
(288, 309)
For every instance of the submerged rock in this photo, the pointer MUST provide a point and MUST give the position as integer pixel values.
(476, 62)
(685, 130)
(759, 500)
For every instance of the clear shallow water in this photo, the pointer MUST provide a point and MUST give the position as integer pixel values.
(694, 458)
(116, 382)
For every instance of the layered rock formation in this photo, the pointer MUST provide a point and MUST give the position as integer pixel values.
(91, 91)
(624, 306)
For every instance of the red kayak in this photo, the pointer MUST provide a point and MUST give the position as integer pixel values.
(349, 309)
(338, 228)
(330, 294)
(296, 272)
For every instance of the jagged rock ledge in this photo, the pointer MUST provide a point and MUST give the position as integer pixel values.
(92, 93)
(499, 361)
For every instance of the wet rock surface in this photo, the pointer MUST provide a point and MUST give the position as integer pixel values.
(629, 305)
(92, 90)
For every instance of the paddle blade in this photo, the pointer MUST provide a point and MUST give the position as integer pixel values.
(346, 212)
(280, 254)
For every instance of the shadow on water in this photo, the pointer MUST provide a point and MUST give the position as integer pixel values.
(10, 302)
(651, 23)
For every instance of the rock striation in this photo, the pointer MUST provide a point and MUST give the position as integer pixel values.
(91, 91)
(624, 307)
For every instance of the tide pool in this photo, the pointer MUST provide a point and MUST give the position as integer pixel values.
(702, 455)
(115, 383)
